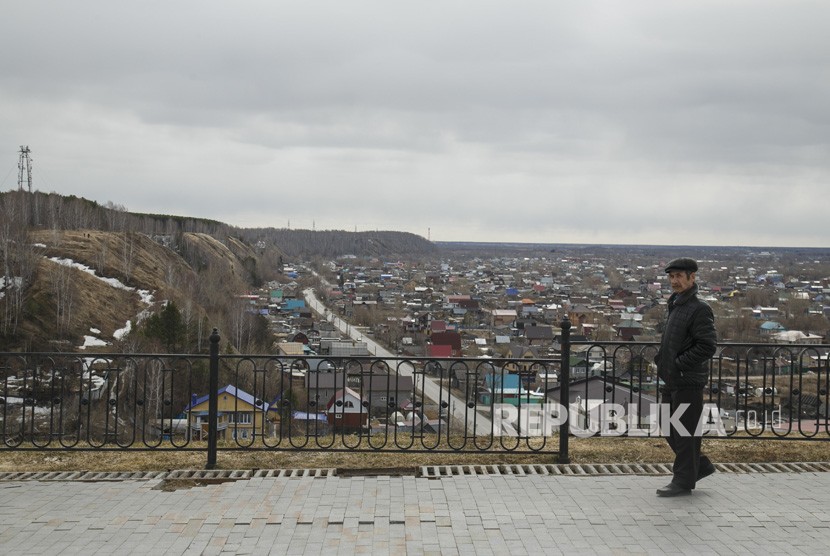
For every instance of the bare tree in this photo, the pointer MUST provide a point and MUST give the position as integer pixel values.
(63, 289)
(19, 259)
(101, 258)
(195, 326)
(240, 326)
(171, 277)
(127, 257)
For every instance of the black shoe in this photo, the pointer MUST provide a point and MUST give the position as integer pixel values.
(673, 489)
(706, 471)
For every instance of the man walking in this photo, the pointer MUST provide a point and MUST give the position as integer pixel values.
(689, 341)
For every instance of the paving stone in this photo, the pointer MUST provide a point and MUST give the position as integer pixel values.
(737, 513)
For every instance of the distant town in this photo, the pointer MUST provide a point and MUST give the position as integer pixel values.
(473, 302)
(508, 303)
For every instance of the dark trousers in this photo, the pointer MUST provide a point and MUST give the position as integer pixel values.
(688, 461)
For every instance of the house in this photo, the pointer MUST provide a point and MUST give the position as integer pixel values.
(546, 376)
(502, 317)
(345, 411)
(586, 394)
(616, 304)
(240, 416)
(437, 326)
(767, 312)
(319, 364)
(507, 388)
(387, 392)
(433, 277)
(468, 304)
(415, 423)
(552, 312)
(439, 351)
(291, 348)
(309, 424)
(525, 369)
(580, 314)
(797, 337)
(770, 328)
(382, 392)
(448, 338)
(301, 338)
(523, 323)
(291, 305)
(628, 328)
(539, 335)
(637, 369)
(581, 363)
(342, 348)
(327, 330)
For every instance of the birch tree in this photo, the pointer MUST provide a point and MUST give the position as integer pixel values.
(19, 259)
(127, 254)
(63, 290)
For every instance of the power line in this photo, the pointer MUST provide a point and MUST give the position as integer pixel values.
(3, 184)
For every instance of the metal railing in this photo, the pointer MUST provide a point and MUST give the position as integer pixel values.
(52, 401)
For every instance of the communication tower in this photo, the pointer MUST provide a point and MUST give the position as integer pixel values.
(24, 167)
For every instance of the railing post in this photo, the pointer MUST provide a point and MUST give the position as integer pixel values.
(565, 390)
(213, 400)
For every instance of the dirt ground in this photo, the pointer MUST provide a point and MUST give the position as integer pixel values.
(587, 450)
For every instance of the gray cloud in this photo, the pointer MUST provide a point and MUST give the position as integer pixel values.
(519, 121)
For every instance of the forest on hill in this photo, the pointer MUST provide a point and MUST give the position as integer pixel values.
(73, 268)
(308, 244)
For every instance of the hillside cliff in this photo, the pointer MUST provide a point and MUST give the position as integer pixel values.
(74, 270)
(100, 285)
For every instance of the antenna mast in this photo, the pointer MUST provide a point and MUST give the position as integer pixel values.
(24, 167)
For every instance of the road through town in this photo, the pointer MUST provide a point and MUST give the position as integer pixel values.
(476, 423)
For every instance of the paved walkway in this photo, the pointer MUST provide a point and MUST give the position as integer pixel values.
(730, 513)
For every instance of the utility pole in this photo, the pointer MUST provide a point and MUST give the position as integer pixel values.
(24, 167)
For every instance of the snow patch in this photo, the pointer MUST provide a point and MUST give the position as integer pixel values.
(92, 341)
(145, 295)
(9, 282)
(121, 332)
(96, 380)
(114, 282)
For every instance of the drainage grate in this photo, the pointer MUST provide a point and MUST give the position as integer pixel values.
(428, 471)
(295, 473)
(440, 471)
(210, 475)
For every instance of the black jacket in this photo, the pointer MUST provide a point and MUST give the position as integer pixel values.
(689, 342)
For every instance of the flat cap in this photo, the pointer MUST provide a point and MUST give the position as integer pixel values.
(683, 263)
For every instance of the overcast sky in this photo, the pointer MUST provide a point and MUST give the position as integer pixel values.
(699, 122)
